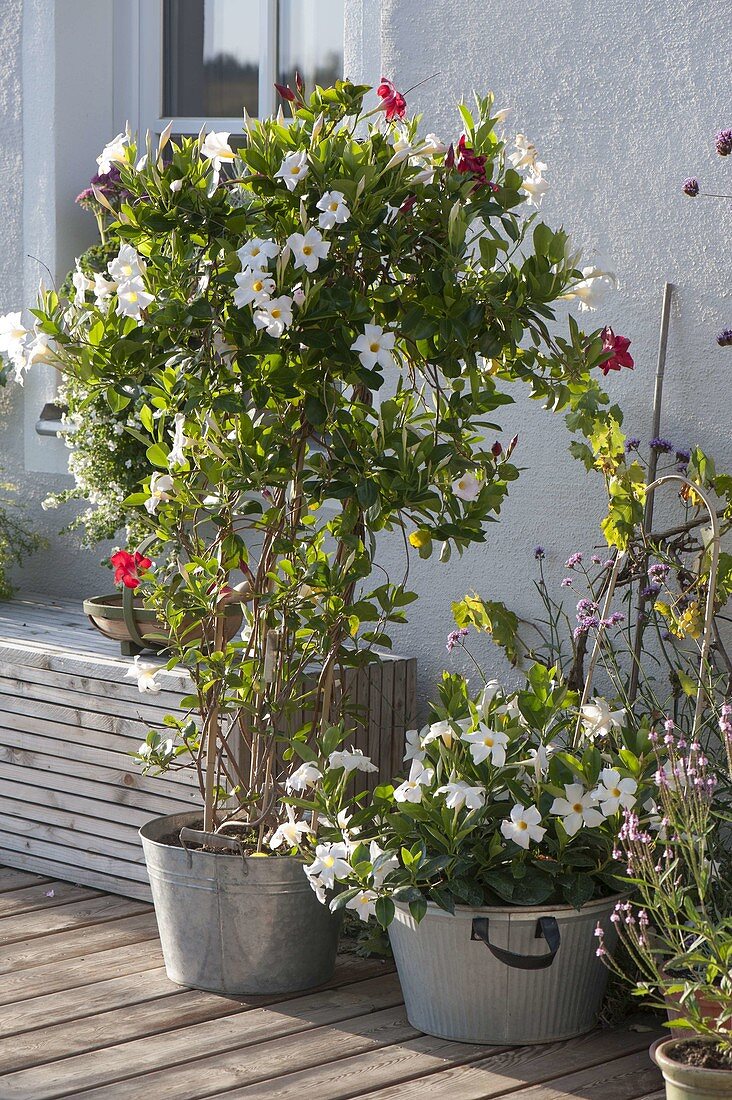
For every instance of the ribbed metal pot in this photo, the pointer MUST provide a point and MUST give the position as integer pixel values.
(505, 975)
(234, 924)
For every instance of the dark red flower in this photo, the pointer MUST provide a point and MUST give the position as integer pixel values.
(469, 162)
(393, 102)
(407, 204)
(450, 157)
(127, 566)
(497, 449)
(617, 346)
(285, 92)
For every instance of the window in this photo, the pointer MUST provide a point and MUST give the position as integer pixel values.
(205, 60)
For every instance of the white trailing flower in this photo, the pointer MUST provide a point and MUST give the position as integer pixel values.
(351, 760)
(439, 731)
(466, 487)
(523, 825)
(411, 789)
(598, 718)
(458, 793)
(293, 169)
(253, 287)
(127, 264)
(308, 249)
(490, 690)
(590, 290)
(330, 863)
(177, 455)
(274, 315)
(12, 335)
(576, 809)
(103, 289)
(534, 187)
(487, 744)
(114, 152)
(334, 210)
(176, 185)
(413, 741)
(216, 148)
(307, 775)
(375, 345)
(386, 866)
(614, 792)
(161, 489)
(256, 253)
(363, 903)
(290, 832)
(526, 155)
(144, 672)
(132, 298)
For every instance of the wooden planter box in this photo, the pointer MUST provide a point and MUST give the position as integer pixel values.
(71, 798)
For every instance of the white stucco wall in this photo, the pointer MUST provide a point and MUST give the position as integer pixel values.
(623, 101)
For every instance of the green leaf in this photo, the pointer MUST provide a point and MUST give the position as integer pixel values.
(385, 910)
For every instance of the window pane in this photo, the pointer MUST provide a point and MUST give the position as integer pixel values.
(310, 41)
(211, 58)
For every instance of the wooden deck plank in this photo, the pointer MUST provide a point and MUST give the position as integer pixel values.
(53, 977)
(45, 895)
(77, 915)
(11, 879)
(495, 1072)
(255, 1045)
(82, 876)
(172, 1013)
(626, 1078)
(37, 951)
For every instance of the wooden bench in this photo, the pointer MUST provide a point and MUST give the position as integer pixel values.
(71, 797)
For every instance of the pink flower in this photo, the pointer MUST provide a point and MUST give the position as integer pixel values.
(617, 346)
(127, 566)
(393, 102)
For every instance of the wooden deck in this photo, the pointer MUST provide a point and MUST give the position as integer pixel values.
(86, 1011)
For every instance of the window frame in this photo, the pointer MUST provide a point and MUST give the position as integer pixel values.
(150, 67)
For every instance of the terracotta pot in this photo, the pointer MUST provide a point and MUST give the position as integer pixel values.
(137, 628)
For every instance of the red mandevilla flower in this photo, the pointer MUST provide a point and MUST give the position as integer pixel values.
(618, 346)
(127, 566)
(393, 102)
(470, 162)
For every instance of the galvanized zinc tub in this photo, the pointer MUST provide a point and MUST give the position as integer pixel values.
(234, 924)
(505, 975)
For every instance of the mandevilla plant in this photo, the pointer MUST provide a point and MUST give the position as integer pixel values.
(315, 328)
(500, 805)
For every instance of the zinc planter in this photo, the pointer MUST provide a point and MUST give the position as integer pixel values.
(236, 924)
(685, 1082)
(503, 975)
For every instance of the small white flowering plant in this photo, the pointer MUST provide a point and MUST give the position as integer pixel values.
(316, 329)
(511, 798)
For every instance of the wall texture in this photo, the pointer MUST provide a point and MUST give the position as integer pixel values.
(622, 101)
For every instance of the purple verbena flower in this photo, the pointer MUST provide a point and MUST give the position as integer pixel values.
(659, 571)
(632, 443)
(572, 560)
(690, 187)
(724, 338)
(723, 143)
(539, 552)
(455, 637)
(662, 445)
(650, 591)
(567, 582)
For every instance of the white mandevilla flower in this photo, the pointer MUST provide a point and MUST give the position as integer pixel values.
(614, 792)
(330, 863)
(177, 455)
(590, 290)
(459, 793)
(103, 288)
(487, 744)
(363, 903)
(535, 187)
(253, 287)
(307, 775)
(12, 335)
(308, 249)
(411, 789)
(293, 169)
(466, 487)
(578, 808)
(351, 760)
(132, 298)
(490, 690)
(176, 185)
(81, 284)
(144, 672)
(439, 731)
(598, 718)
(540, 759)
(334, 210)
(256, 253)
(161, 489)
(216, 148)
(127, 264)
(386, 866)
(432, 146)
(375, 345)
(414, 749)
(526, 155)
(274, 315)
(290, 832)
(114, 152)
(523, 825)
